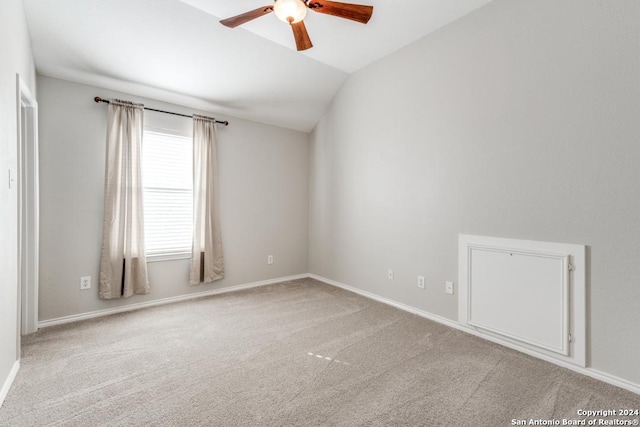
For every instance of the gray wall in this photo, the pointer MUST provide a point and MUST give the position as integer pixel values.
(264, 174)
(520, 120)
(15, 57)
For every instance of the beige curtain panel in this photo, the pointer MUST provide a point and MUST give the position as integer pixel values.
(207, 263)
(123, 265)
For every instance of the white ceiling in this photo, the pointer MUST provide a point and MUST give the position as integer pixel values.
(177, 51)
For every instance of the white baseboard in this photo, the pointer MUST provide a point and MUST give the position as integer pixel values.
(590, 372)
(9, 381)
(388, 301)
(162, 301)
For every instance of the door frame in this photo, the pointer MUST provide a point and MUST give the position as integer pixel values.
(28, 209)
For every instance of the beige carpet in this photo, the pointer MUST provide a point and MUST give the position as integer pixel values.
(299, 353)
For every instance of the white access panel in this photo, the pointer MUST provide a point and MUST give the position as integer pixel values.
(527, 295)
(520, 294)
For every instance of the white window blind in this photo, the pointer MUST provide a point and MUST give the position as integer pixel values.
(167, 178)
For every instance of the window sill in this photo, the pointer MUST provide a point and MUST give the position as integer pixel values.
(168, 257)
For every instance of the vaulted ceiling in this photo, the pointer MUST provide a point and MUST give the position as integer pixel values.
(177, 51)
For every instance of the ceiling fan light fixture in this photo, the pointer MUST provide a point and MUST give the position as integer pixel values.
(290, 11)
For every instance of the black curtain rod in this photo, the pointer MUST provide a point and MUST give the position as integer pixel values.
(98, 99)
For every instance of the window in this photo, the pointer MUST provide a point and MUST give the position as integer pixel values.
(167, 178)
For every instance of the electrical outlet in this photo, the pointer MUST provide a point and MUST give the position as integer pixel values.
(448, 287)
(390, 274)
(421, 282)
(85, 282)
(270, 259)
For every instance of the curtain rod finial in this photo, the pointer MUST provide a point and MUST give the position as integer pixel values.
(97, 99)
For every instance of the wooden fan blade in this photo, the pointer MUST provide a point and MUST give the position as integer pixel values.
(355, 12)
(303, 42)
(234, 21)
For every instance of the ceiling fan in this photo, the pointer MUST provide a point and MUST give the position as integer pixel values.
(294, 11)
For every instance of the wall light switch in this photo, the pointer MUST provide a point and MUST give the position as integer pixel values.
(12, 179)
(390, 274)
